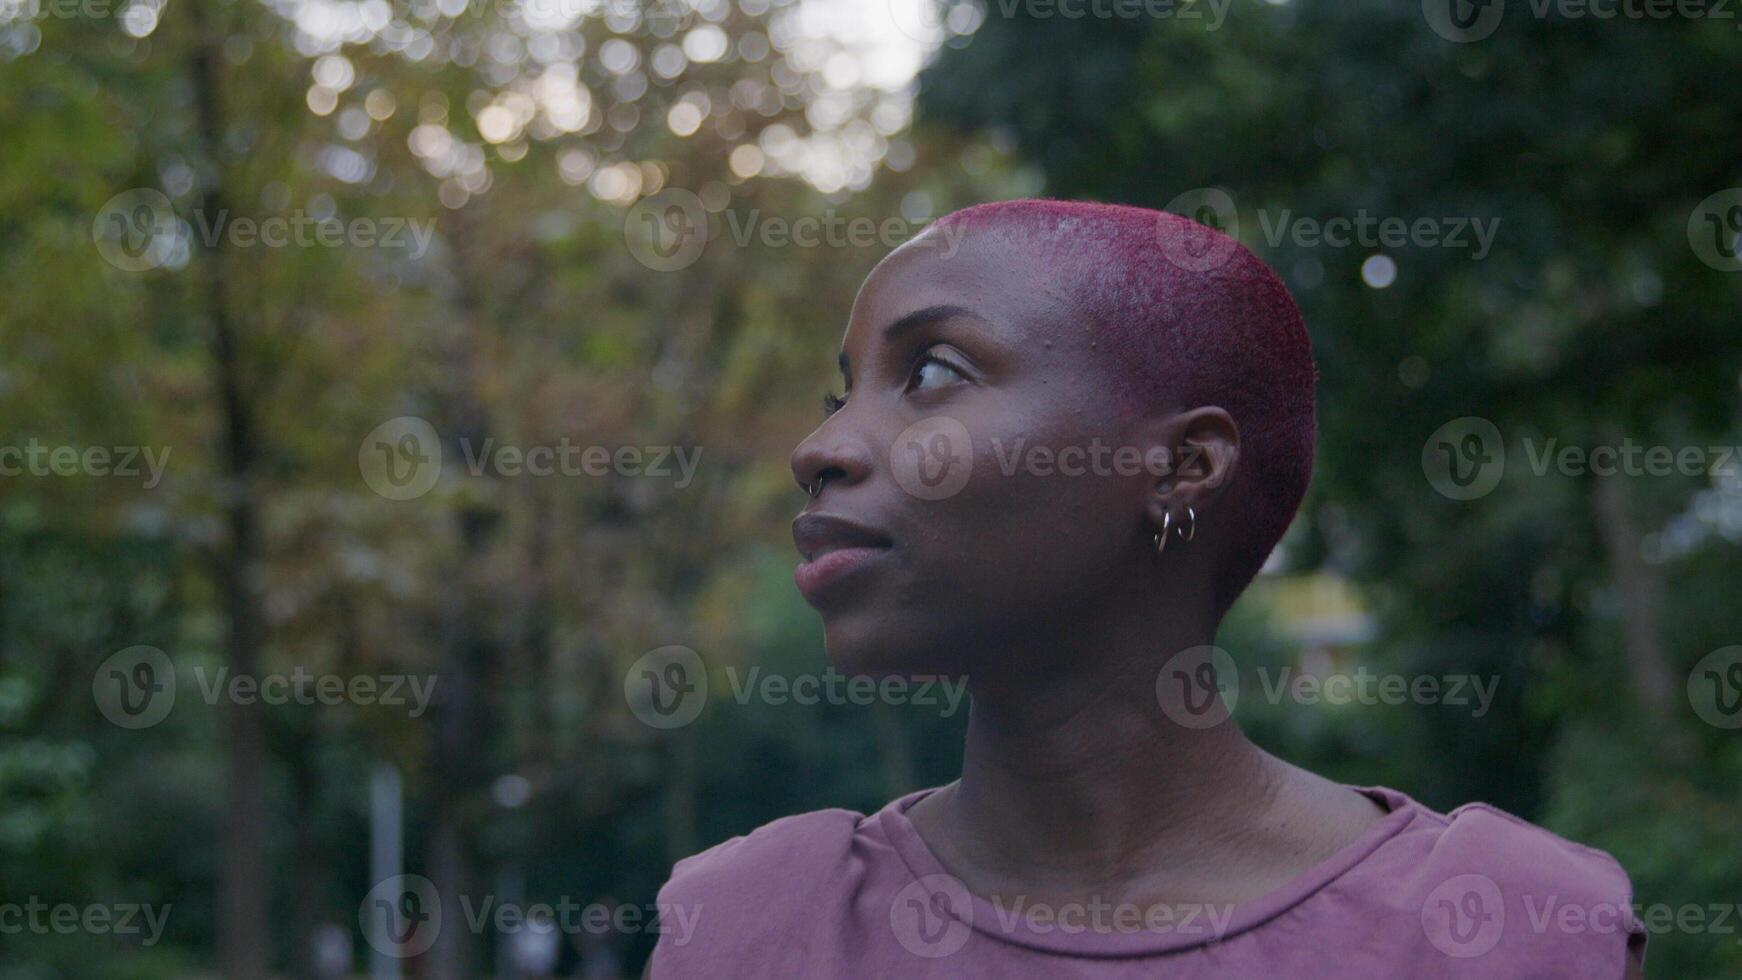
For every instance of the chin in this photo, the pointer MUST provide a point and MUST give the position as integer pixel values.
(865, 645)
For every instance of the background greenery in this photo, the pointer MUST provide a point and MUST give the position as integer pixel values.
(1592, 320)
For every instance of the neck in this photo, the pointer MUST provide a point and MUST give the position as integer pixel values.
(1076, 781)
(1089, 782)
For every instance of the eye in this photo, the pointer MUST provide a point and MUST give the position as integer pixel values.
(832, 403)
(933, 372)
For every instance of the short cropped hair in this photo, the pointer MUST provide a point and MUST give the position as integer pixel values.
(1186, 317)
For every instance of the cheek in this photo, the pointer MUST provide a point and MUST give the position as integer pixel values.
(1041, 520)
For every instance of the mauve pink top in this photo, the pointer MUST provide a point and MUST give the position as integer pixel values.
(1473, 893)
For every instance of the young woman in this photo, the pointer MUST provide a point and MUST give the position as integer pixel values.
(1070, 435)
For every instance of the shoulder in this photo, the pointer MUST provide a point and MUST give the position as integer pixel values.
(1524, 858)
(1486, 883)
(721, 905)
(774, 859)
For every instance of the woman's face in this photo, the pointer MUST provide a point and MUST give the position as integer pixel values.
(979, 491)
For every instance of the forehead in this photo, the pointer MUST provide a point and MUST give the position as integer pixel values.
(995, 277)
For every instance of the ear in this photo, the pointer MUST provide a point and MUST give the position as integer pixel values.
(1203, 449)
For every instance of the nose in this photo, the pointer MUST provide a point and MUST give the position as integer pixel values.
(834, 453)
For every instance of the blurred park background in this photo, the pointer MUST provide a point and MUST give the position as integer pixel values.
(528, 224)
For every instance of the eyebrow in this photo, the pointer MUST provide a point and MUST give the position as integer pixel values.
(913, 321)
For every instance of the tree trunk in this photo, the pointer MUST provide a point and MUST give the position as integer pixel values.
(681, 837)
(1639, 587)
(306, 873)
(470, 664)
(244, 938)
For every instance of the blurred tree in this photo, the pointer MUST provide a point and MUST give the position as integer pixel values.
(532, 318)
(1591, 321)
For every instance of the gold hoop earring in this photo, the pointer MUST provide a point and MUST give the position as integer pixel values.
(1188, 531)
(1161, 539)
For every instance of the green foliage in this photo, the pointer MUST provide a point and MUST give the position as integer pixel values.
(1590, 321)
(531, 321)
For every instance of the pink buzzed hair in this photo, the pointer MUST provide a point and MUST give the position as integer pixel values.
(1186, 317)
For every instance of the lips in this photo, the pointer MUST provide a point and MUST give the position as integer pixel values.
(832, 548)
